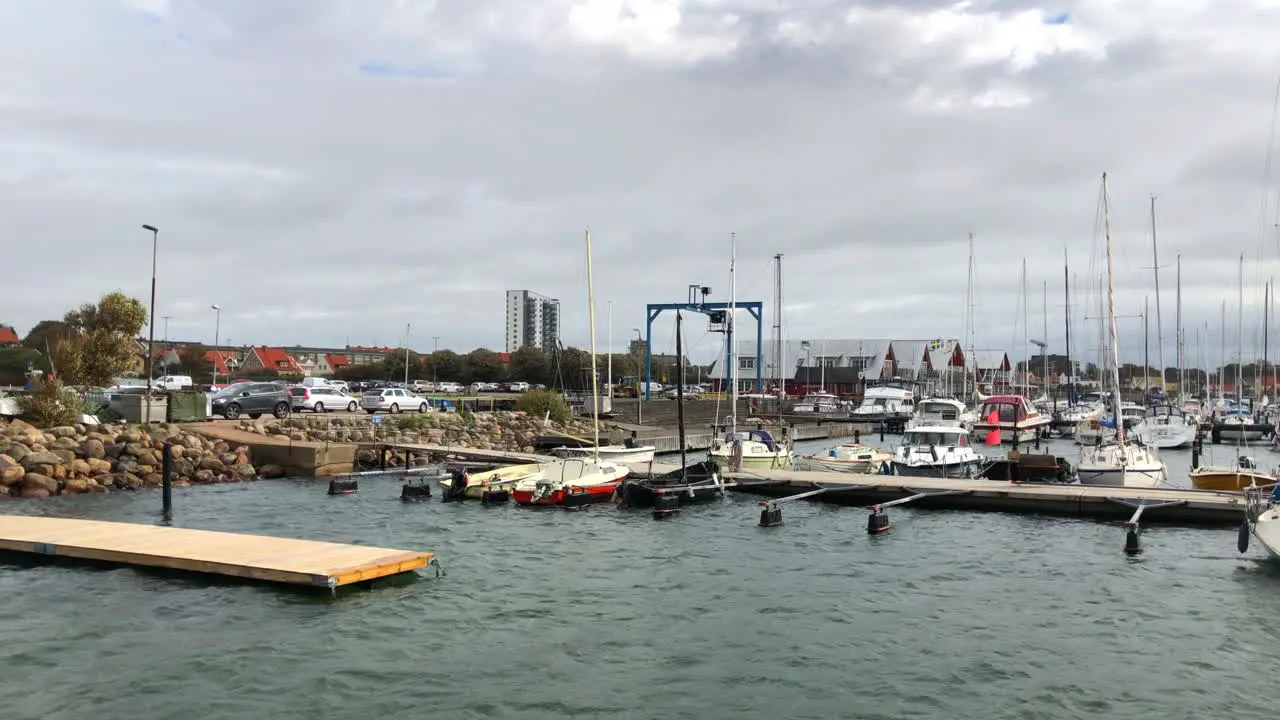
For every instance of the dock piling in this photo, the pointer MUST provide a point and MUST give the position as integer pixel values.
(878, 521)
(166, 483)
(1133, 528)
(771, 514)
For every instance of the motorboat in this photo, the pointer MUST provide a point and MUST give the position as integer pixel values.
(1165, 427)
(755, 449)
(848, 457)
(942, 412)
(1262, 519)
(891, 405)
(1238, 425)
(1068, 419)
(460, 484)
(936, 451)
(820, 403)
(1245, 474)
(571, 482)
(1013, 416)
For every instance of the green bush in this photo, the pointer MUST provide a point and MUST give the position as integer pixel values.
(49, 404)
(543, 403)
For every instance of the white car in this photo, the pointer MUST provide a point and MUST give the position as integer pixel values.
(518, 387)
(449, 387)
(393, 400)
(321, 398)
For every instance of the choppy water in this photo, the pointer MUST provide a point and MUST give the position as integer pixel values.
(609, 614)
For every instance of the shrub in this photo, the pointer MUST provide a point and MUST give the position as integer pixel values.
(49, 404)
(543, 403)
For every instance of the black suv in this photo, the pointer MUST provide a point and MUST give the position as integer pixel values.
(253, 399)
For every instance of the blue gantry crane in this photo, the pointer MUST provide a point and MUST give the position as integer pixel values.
(718, 313)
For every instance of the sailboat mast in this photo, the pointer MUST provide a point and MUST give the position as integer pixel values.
(971, 332)
(1111, 316)
(1240, 335)
(1222, 371)
(595, 377)
(733, 343)
(1155, 264)
(778, 359)
(1178, 302)
(1266, 317)
(1044, 350)
(1026, 333)
(609, 372)
(684, 461)
(1146, 349)
(1066, 290)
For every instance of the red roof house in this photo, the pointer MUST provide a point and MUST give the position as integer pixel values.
(226, 362)
(8, 337)
(275, 359)
(336, 361)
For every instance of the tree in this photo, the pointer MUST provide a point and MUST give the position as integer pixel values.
(544, 403)
(531, 365)
(98, 344)
(445, 366)
(358, 372)
(194, 361)
(45, 335)
(485, 366)
(393, 366)
(14, 362)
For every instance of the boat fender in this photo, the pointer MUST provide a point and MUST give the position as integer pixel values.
(886, 468)
(1242, 539)
(933, 453)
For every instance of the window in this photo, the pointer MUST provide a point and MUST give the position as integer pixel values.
(746, 363)
(282, 364)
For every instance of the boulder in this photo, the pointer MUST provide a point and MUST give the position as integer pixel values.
(203, 476)
(64, 456)
(93, 448)
(77, 468)
(76, 486)
(98, 466)
(243, 472)
(35, 492)
(62, 431)
(10, 471)
(271, 471)
(32, 481)
(40, 458)
(114, 450)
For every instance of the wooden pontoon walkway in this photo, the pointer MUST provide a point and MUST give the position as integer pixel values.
(1093, 501)
(254, 557)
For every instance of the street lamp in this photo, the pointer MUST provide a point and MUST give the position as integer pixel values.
(217, 328)
(151, 337)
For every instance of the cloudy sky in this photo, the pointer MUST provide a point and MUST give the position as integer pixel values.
(330, 171)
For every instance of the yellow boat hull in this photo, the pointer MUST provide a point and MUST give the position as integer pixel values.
(1229, 479)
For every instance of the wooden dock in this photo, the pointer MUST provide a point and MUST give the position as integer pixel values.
(1092, 501)
(253, 557)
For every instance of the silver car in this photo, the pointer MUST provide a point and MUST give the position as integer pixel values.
(320, 399)
(393, 400)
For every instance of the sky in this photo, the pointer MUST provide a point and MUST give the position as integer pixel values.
(329, 172)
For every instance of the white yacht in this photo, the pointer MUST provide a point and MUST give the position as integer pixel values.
(936, 451)
(1016, 419)
(1070, 417)
(1238, 425)
(820, 403)
(890, 404)
(849, 457)
(1166, 426)
(942, 412)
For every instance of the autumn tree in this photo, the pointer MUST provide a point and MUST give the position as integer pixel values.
(98, 343)
(194, 361)
(485, 366)
(45, 335)
(445, 366)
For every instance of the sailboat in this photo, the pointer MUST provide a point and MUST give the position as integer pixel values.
(1117, 462)
(628, 452)
(756, 449)
(575, 482)
(699, 482)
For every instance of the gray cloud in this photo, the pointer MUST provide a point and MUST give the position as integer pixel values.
(865, 141)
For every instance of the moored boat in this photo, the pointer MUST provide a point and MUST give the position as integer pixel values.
(1245, 474)
(614, 453)
(936, 451)
(570, 482)
(847, 457)
(474, 486)
(1013, 415)
(1166, 426)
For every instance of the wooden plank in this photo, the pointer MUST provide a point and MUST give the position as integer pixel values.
(255, 557)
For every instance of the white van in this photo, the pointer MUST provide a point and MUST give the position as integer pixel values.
(311, 382)
(173, 383)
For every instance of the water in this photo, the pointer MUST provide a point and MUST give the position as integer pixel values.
(610, 614)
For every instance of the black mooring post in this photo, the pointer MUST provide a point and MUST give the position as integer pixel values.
(166, 473)
(882, 424)
(1195, 453)
(382, 458)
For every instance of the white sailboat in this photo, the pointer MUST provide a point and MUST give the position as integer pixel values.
(750, 448)
(1117, 462)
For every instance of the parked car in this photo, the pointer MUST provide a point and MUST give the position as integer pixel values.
(252, 399)
(449, 387)
(392, 400)
(517, 387)
(321, 398)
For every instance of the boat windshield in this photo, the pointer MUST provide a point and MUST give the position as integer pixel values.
(945, 411)
(934, 438)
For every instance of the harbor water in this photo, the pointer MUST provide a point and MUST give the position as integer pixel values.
(608, 613)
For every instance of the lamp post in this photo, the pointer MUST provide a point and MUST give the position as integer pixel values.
(435, 341)
(151, 337)
(640, 391)
(217, 328)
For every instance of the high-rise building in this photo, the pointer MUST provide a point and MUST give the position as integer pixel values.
(532, 320)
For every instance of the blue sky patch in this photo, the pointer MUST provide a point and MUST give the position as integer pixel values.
(1061, 18)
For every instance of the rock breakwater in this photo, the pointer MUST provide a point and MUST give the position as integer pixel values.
(75, 459)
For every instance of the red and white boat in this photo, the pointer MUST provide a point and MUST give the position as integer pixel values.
(572, 482)
(1013, 416)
